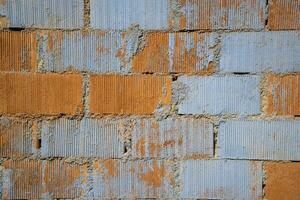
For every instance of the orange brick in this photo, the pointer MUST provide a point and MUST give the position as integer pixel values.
(24, 179)
(283, 95)
(15, 138)
(176, 52)
(18, 51)
(284, 14)
(40, 93)
(116, 94)
(283, 181)
(63, 180)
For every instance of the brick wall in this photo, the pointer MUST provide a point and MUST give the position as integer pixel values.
(187, 99)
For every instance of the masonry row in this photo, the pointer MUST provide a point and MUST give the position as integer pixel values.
(74, 95)
(138, 52)
(151, 14)
(185, 138)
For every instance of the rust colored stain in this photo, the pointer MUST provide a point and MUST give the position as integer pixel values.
(111, 167)
(283, 181)
(18, 51)
(154, 176)
(41, 94)
(140, 146)
(140, 94)
(283, 95)
(284, 14)
(60, 179)
(25, 180)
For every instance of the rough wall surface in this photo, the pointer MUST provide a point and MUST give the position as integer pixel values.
(150, 99)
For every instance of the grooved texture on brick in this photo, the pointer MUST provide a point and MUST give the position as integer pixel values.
(284, 14)
(177, 52)
(85, 138)
(282, 180)
(44, 13)
(259, 139)
(27, 179)
(15, 138)
(18, 51)
(172, 138)
(222, 14)
(139, 179)
(257, 52)
(282, 95)
(121, 14)
(40, 94)
(137, 94)
(221, 179)
(220, 95)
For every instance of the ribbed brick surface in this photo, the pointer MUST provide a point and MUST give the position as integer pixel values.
(140, 94)
(283, 95)
(284, 14)
(259, 139)
(220, 95)
(18, 51)
(40, 94)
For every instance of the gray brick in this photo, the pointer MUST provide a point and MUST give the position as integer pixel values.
(257, 52)
(259, 139)
(217, 95)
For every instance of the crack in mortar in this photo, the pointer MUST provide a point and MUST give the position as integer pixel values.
(87, 13)
(86, 92)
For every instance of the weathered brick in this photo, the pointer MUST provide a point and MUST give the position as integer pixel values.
(63, 180)
(132, 179)
(35, 179)
(177, 52)
(15, 138)
(40, 94)
(270, 140)
(138, 94)
(85, 138)
(172, 138)
(282, 95)
(22, 179)
(18, 51)
(121, 14)
(282, 181)
(218, 95)
(284, 14)
(260, 51)
(44, 13)
(221, 179)
(221, 14)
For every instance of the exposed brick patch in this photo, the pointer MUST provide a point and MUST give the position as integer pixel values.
(140, 94)
(49, 94)
(282, 181)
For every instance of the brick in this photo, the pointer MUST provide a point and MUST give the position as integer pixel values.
(22, 179)
(63, 180)
(18, 51)
(221, 14)
(85, 138)
(171, 138)
(44, 13)
(282, 95)
(219, 95)
(282, 180)
(259, 139)
(177, 52)
(15, 138)
(132, 179)
(284, 14)
(221, 179)
(254, 52)
(137, 94)
(121, 14)
(35, 179)
(48, 94)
